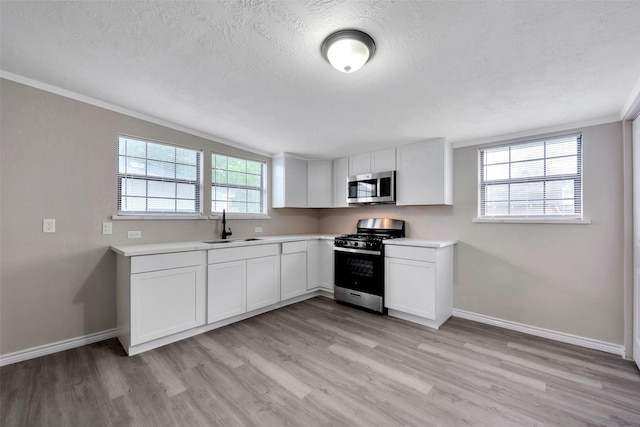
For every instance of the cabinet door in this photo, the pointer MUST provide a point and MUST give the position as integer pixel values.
(410, 287)
(326, 264)
(340, 175)
(424, 173)
(166, 302)
(313, 264)
(289, 182)
(320, 184)
(227, 284)
(383, 160)
(293, 275)
(360, 164)
(263, 282)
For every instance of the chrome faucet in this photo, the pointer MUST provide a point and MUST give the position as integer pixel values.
(225, 233)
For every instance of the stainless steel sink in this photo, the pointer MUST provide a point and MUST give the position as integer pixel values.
(215, 242)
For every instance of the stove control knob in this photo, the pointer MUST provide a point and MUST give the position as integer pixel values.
(355, 244)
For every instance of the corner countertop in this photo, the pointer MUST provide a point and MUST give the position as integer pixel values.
(163, 248)
(419, 242)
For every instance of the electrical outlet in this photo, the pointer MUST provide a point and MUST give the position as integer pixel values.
(48, 225)
(107, 228)
(258, 229)
(134, 234)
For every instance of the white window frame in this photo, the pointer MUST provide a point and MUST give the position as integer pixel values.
(571, 218)
(263, 214)
(151, 214)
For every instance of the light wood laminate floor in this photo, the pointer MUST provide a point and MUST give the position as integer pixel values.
(319, 363)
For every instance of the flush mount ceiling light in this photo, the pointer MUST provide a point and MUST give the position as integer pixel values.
(348, 50)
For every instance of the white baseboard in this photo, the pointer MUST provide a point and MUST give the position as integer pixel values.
(544, 333)
(43, 350)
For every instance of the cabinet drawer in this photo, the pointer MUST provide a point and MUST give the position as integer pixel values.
(144, 263)
(242, 252)
(292, 247)
(410, 252)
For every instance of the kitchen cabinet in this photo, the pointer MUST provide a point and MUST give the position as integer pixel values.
(227, 286)
(320, 265)
(360, 164)
(340, 175)
(263, 282)
(289, 182)
(242, 279)
(383, 160)
(425, 173)
(159, 295)
(419, 283)
(373, 162)
(320, 184)
(326, 265)
(293, 269)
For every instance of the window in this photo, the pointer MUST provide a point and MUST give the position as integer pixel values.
(538, 178)
(158, 178)
(237, 185)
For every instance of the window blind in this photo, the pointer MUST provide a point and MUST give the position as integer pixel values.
(158, 178)
(537, 178)
(237, 185)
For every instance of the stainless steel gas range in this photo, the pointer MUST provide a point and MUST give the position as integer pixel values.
(359, 262)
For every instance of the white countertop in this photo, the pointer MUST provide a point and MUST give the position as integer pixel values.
(161, 248)
(424, 243)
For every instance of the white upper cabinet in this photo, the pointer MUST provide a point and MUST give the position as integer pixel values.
(289, 179)
(425, 173)
(383, 160)
(320, 184)
(340, 175)
(373, 162)
(360, 164)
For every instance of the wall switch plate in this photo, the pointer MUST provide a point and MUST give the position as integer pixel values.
(134, 234)
(48, 225)
(258, 229)
(107, 228)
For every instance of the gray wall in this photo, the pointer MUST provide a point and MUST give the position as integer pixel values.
(59, 160)
(567, 278)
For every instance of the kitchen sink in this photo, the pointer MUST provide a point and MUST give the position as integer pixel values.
(215, 242)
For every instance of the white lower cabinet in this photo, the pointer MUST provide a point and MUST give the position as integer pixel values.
(419, 283)
(227, 290)
(241, 280)
(326, 265)
(293, 269)
(159, 295)
(162, 298)
(263, 282)
(320, 265)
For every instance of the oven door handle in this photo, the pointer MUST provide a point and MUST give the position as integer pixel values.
(357, 251)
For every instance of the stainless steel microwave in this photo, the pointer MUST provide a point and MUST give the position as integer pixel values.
(372, 188)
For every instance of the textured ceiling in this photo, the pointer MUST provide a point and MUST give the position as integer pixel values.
(251, 72)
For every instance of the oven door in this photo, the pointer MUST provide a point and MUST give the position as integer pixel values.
(359, 270)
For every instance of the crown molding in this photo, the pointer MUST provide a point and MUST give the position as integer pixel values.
(550, 130)
(122, 110)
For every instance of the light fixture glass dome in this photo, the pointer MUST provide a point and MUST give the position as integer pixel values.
(348, 50)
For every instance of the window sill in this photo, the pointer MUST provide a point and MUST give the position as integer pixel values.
(155, 217)
(523, 220)
(240, 216)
